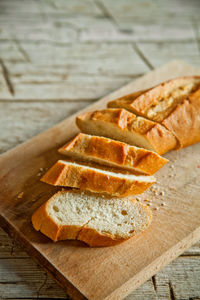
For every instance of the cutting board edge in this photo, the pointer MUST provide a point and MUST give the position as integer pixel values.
(39, 258)
(122, 291)
(151, 269)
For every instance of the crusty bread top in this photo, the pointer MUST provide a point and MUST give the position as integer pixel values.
(120, 117)
(113, 153)
(184, 122)
(92, 218)
(55, 172)
(158, 102)
(122, 125)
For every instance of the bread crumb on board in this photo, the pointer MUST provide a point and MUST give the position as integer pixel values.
(20, 195)
(156, 208)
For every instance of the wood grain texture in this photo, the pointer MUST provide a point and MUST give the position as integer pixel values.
(60, 24)
(23, 271)
(36, 117)
(172, 231)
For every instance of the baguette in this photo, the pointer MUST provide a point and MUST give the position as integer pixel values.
(90, 218)
(113, 153)
(69, 174)
(157, 103)
(184, 122)
(119, 124)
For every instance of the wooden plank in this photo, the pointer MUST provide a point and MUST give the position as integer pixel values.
(10, 52)
(19, 6)
(39, 32)
(157, 53)
(91, 29)
(68, 8)
(181, 275)
(173, 229)
(68, 75)
(84, 59)
(4, 89)
(22, 271)
(74, 87)
(183, 282)
(36, 117)
(99, 30)
(9, 248)
(142, 11)
(50, 7)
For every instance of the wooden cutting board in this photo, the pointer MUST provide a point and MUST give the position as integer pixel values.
(103, 273)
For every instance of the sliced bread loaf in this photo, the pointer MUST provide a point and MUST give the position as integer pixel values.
(158, 102)
(119, 124)
(90, 218)
(65, 173)
(113, 153)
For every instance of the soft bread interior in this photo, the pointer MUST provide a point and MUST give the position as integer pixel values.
(108, 216)
(131, 177)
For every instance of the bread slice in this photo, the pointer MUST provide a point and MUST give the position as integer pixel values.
(119, 124)
(65, 173)
(113, 153)
(157, 103)
(91, 218)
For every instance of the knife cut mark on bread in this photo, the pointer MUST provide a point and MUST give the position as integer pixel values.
(158, 102)
(70, 174)
(175, 104)
(119, 124)
(91, 218)
(113, 153)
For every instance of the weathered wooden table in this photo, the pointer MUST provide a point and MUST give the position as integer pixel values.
(56, 57)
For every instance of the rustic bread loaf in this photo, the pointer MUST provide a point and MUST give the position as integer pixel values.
(113, 153)
(119, 124)
(69, 174)
(175, 104)
(91, 218)
(158, 102)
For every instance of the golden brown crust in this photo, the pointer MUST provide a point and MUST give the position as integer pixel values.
(184, 122)
(43, 222)
(158, 102)
(157, 135)
(94, 239)
(113, 153)
(95, 146)
(125, 101)
(119, 117)
(161, 139)
(93, 180)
